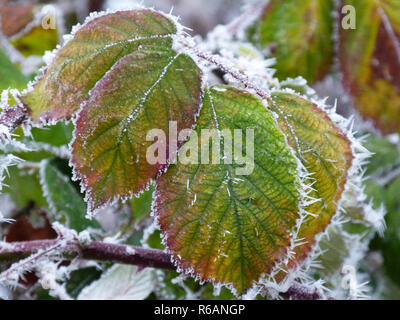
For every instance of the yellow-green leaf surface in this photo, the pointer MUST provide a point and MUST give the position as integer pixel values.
(227, 227)
(147, 85)
(325, 152)
(108, 44)
(370, 61)
(299, 35)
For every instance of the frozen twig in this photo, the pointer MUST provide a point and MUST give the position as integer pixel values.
(99, 251)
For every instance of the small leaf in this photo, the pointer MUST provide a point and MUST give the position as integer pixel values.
(150, 86)
(299, 35)
(226, 227)
(121, 282)
(370, 61)
(325, 152)
(63, 198)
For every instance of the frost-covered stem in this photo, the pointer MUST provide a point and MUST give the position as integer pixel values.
(13, 117)
(100, 251)
(28, 262)
(228, 68)
(118, 253)
(128, 255)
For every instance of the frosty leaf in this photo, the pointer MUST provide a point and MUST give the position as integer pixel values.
(299, 35)
(226, 227)
(385, 156)
(325, 152)
(137, 40)
(63, 198)
(121, 282)
(370, 61)
(46, 142)
(10, 75)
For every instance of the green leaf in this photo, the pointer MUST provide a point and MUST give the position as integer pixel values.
(141, 207)
(23, 186)
(325, 152)
(370, 61)
(63, 198)
(223, 226)
(137, 41)
(56, 135)
(10, 75)
(148, 87)
(46, 142)
(385, 155)
(299, 35)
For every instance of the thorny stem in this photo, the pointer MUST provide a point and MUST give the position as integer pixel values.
(118, 253)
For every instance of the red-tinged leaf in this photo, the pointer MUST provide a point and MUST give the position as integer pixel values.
(143, 91)
(325, 151)
(223, 226)
(92, 52)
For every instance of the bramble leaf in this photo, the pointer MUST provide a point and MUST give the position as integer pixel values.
(227, 227)
(325, 152)
(370, 61)
(299, 35)
(150, 86)
(103, 47)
